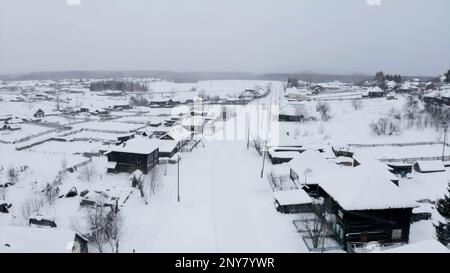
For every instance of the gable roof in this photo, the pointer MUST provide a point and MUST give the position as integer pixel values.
(315, 162)
(136, 145)
(431, 166)
(364, 188)
(178, 132)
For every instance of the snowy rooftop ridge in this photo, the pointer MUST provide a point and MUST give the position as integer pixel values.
(365, 188)
(136, 145)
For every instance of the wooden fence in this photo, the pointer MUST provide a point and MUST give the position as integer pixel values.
(399, 144)
(414, 159)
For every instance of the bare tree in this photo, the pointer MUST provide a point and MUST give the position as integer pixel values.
(13, 175)
(31, 206)
(385, 126)
(150, 184)
(104, 227)
(324, 109)
(2, 187)
(51, 192)
(315, 225)
(57, 101)
(88, 171)
(274, 181)
(64, 164)
(357, 104)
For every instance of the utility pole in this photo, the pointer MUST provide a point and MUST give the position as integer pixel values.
(264, 160)
(445, 126)
(178, 179)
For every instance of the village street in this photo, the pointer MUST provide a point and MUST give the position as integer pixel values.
(221, 209)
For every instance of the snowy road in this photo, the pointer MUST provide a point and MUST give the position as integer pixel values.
(225, 207)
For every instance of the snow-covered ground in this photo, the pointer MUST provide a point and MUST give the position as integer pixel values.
(225, 205)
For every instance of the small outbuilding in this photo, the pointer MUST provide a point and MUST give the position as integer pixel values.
(432, 166)
(39, 113)
(292, 201)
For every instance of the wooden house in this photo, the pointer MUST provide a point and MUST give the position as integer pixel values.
(361, 203)
(363, 206)
(375, 92)
(39, 113)
(292, 113)
(137, 153)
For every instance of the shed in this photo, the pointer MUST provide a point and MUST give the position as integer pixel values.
(292, 201)
(431, 166)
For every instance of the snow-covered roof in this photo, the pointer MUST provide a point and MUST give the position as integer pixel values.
(178, 133)
(35, 240)
(427, 246)
(293, 109)
(137, 145)
(375, 89)
(364, 188)
(431, 166)
(318, 166)
(167, 145)
(292, 197)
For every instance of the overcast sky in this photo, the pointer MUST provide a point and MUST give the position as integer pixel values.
(411, 37)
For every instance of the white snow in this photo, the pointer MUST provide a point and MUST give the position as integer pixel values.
(292, 197)
(35, 240)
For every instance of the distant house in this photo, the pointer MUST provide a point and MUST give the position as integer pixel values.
(155, 123)
(375, 92)
(279, 155)
(39, 114)
(16, 239)
(194, 124)
(429, 166)
(137, 153)
(167, 148)
(438, 97)
(113, 93)
(179, 134)
(342, 151)
(292, 113)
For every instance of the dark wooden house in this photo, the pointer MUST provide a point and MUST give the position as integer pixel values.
(39, 113)
(363, 206)
(137, 153)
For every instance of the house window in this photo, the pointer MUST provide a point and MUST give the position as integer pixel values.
(131, 158)
(396, 234)
(139, 159)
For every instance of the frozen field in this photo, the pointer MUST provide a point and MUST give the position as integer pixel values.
(61, 147)
(25, 131)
